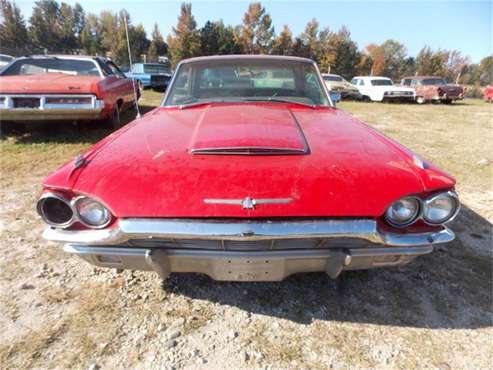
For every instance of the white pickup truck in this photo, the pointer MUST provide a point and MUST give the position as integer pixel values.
(373, 88)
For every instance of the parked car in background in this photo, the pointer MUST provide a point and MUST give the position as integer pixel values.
(40, 88)
(5, 59)
(488, 93)
(249, 181)
(339, 84)
(433, 89)
(373, 88)
(154, 75)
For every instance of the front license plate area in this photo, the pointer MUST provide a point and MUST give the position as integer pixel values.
(254, 269)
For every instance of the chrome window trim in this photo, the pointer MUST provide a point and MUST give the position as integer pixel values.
(246, 57)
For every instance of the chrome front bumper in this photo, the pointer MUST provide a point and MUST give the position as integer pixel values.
(45, 111)
(246, 251)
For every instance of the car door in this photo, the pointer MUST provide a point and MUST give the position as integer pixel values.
(120, 86)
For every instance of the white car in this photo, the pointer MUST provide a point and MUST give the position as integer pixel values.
(382, 89)
(5, 59)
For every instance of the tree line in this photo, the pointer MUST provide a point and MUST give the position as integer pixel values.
(62, 28)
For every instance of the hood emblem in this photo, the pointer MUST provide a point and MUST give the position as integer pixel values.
(248, 202)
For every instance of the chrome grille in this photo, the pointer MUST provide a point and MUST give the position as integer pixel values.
(257, 245)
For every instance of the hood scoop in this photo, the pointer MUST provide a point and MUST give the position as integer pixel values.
(247, 129)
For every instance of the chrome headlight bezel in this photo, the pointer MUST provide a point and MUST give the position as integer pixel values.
(42, 212)
(424, 204)
(411, 220)
(72, 204)
(76, 205)
(452, 195)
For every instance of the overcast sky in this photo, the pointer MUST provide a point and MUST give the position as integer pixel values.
(463, 25)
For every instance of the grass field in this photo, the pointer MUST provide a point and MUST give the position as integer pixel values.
(58, 312)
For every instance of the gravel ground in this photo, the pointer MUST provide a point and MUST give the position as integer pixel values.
(59, 312)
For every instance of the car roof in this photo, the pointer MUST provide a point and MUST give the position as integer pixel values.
(373, 77)
(330, 75)
(247, 57)
(422, 77)
(65, 56)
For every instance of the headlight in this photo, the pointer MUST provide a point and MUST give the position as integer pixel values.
(92, 213)
(441, 208)
(55, 210)
(403, 212)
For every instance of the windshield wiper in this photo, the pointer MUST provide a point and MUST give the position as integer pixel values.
(279, 100)
(193, 102)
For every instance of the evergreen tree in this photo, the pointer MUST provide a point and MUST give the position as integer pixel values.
(255, 36)
(184, 41)
(13, 30)
(158, 47)
(283, 43)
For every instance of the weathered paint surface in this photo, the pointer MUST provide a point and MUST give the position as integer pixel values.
(147, 169)
(110, 88)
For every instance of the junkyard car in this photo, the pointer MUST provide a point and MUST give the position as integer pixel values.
(339, 84)
(488, 94)
(5, 59)
(41, 88)
(248, 183)
(373, 88)
(153, 75)
(432, 88)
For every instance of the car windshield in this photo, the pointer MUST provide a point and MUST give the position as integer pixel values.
(155, 68)
(35, 66)
(333, 78)
(382, 82)
(433, 81)
(246, 80)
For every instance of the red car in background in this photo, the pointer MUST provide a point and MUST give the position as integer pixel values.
(248, 172)
(488, 94)
(72, 88)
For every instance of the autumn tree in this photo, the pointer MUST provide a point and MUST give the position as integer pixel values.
(90, 36)
(184, 41)
(429, 62)
(339, 52)
(157, 47)
(13, 30)
(283, 43)
(44, 29)
(256, 32)
(310, 43)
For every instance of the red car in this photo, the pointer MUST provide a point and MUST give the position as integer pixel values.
(248, 172)
(47, 88)
(488, 94)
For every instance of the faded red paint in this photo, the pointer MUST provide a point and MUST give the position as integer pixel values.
(111, 89)
(445, 92)
(146, 169)
(488, 93)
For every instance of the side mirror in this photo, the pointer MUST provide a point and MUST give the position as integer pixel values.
(335, 96)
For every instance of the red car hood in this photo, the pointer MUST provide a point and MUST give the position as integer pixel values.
(51, 83)
(147, 169)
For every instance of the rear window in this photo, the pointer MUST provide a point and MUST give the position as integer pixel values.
(433, 81)
(381, 82)
(333, 78)
(155, 68)
(41, 66)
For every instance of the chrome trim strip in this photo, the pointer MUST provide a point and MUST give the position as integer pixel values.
(8, 104)
(127, 229)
